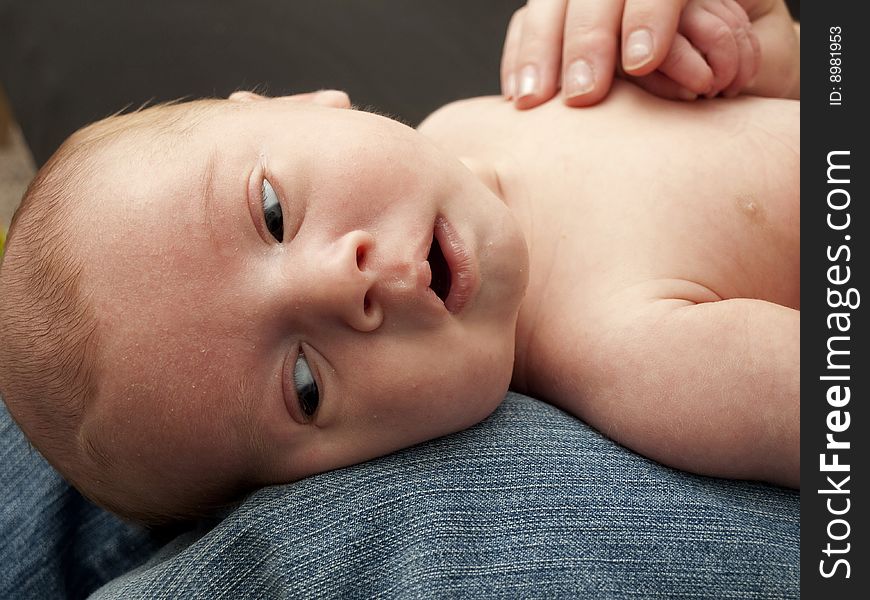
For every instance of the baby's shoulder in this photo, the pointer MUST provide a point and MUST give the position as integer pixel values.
(581, 337)
(465, 110)
(470, 127)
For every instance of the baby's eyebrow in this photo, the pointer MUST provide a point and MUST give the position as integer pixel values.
(206, 192)
(245, 403)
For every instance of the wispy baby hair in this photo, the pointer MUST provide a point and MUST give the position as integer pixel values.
(47, 331)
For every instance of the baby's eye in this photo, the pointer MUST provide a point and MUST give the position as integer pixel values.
(272, 212)
(306, 387)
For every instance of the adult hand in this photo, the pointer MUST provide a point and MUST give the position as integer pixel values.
(676, 49)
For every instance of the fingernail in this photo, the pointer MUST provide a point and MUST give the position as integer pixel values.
(638, 49)
(684, 94)
(510, 86)
(579, 79)
(528, 81)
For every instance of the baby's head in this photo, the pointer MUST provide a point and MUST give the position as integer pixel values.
(200, 299)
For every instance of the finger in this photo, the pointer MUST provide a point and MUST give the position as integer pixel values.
(663, 86)
(648, 28)
(685, 66)
(540, 53)
(749, 49)
(756, 51)
(755, 9)
(746, 70)
(509, 53)
(737, 10)
(715, 40)
(735, 18)
(590, 50)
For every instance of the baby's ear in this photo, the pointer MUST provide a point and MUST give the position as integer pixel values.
(333, 98)
(245, 96)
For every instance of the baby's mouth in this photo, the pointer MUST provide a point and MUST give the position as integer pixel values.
(441, 276)
(455, 278)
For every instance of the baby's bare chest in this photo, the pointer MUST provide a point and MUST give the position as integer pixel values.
(713, 206)
(641, 194)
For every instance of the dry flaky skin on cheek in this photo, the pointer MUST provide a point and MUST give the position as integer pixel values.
(203, 310)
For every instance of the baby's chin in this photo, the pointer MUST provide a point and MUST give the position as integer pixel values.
(486, 401)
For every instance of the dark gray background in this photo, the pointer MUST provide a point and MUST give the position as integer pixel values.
(67, 63)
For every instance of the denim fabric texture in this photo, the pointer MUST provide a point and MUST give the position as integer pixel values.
(531, 503)
(53, 542)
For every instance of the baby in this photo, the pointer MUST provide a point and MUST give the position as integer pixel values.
(200, 299)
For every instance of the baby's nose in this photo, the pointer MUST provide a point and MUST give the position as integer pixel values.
(343, 283)
(362, 286)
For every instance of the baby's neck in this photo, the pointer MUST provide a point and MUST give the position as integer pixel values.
(502, 180)
(505, 182)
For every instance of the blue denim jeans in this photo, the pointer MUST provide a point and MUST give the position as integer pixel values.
(530, 503)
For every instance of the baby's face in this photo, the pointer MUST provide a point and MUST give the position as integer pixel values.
(233, 350)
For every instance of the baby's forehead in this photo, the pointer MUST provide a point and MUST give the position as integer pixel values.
(159, 120)
(131, 149)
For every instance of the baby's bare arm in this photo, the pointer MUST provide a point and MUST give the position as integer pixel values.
(712, 388)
